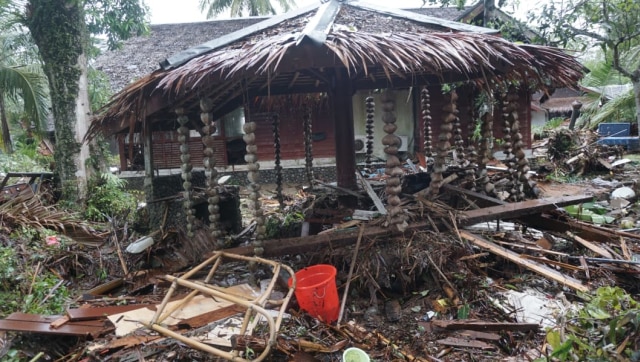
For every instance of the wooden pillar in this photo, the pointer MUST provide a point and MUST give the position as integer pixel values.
(342, 107)
(122, 151)
(155, 213)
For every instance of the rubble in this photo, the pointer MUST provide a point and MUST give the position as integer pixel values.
(473, 274)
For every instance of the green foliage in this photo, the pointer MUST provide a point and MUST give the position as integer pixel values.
(601, 109)
(107, 197)
(288, 226)
(48, 295)
(99, 91)
(24, 159)
(117, 19)
(7, 266)
(237, 8)
(19, 290)
(606, 329)
(611, 26)
(553, 123)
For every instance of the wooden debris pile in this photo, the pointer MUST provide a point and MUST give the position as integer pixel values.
(577, 153)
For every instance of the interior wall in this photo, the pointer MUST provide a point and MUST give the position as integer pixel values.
(404, 119)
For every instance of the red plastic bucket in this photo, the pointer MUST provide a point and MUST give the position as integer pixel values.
(317, 293)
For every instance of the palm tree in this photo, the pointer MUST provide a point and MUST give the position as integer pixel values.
(237, 7)
(619, 108)
(22, 82)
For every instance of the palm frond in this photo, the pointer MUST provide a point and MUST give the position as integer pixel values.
(618, 109)
(27, 84)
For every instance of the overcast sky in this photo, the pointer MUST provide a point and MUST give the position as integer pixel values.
(184, 11)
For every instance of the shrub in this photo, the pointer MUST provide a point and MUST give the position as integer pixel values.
(108, 198)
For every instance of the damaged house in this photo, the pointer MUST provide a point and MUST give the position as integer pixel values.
(140, 56)
(342, 83)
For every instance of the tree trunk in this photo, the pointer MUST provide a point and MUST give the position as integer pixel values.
(6, 135)
(489, 10)
(59, 31)
(636, 94)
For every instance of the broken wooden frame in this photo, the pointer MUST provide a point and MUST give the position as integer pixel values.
(254, 307)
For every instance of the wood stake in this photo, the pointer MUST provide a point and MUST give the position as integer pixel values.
(351, 268)
(372, 194)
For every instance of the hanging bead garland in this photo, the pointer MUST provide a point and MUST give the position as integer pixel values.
(425, 103)
(449, 114)
(370, 106)
(459, 142)
(185, 157)
(253, 174)
(484, 156)
(308, 145)
(513, 139)
(472, 155)
(275, 121)
(393, 170)
(210, 172)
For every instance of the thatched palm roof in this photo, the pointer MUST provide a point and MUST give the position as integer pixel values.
(299, 52)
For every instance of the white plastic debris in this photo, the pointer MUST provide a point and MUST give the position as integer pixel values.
(140, 245)
(623, 193)
(532, 306)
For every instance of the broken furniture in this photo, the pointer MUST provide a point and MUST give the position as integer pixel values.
(618, 134)
(255, 306)
(36, 179)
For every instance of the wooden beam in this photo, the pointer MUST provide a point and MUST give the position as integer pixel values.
(545, 222)
(315, 243)
(526, 263)
(519, 209)
(372, 194)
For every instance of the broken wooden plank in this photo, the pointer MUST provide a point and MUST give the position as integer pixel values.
(372, 194)
(546, 222)
(591, 246)
(209, 317)
(480, 199)
(22, 322)
(529, 264)
(519, 209)
(60, 322)
(480, 335)
(466, 343)
(338, 188)
(481, 325)
(80, 314)
(542, 222)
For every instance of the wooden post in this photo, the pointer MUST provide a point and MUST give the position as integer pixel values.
(342, 108)
(155, 212)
